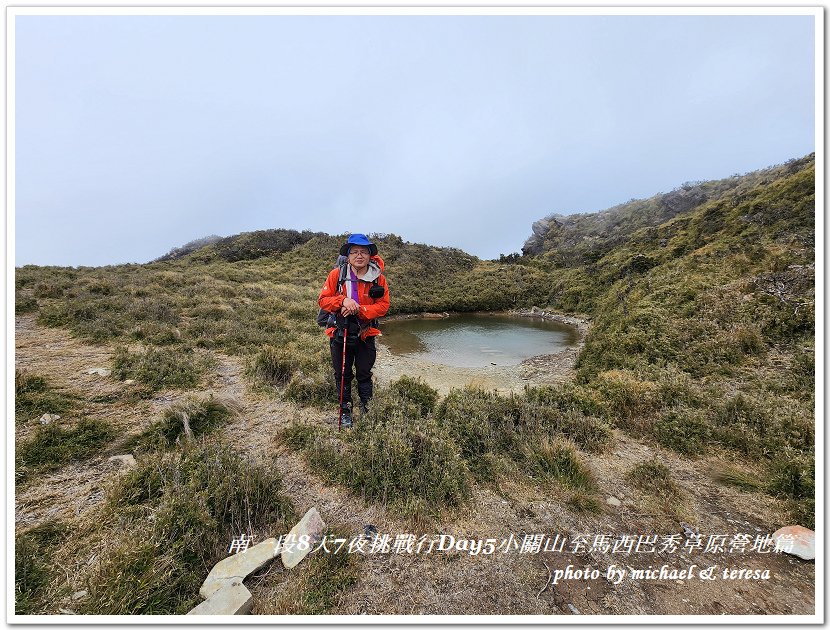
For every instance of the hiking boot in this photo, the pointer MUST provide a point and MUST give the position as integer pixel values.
(346, 416)
(364, 406)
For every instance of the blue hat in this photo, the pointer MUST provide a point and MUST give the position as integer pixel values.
(358, 239)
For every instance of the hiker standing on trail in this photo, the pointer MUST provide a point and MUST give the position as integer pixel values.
(355, 294)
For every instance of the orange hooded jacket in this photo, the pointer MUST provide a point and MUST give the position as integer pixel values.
(370, 308)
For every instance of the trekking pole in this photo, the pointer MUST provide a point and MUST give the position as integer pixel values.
(342, 378)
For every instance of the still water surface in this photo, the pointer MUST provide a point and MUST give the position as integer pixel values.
(476, 339)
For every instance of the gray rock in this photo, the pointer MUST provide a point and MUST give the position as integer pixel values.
(78, 595)
(99, 371)
(688, 530)
(613, 501)
(540, 228)
(239, 566)
(796, 541)
(532, 245)
(232, 599)
(48, 417)
(126, 461)
(296, 547)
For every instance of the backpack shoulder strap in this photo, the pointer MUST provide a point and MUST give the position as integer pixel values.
(344, 270)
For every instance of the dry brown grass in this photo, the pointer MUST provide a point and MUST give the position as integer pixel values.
(446, 584)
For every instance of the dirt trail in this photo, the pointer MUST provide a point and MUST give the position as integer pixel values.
(447, 582)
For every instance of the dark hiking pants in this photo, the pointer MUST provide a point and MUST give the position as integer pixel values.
(362, 358)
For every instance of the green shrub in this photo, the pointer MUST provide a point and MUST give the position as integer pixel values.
(317, 388)
(479, 423)
(95, 319)
(742, 410)
(629, 401)
(156, 333)
(391, 456)
(803, 512)
(558, 459)
(802, 374)
(157, 310)
(138, 578)
(748, 339)
(100, 288)
(565, 397)
(676, 388)
(47, 290)
(589, 433)
(25, 304)
(792, 426)
(684, 431)
(161, 367)
(174, 515)
(275, 366)
(33, 550)
(33, 397)
(733, 476)
(252, 245)
(31, 575)
(792, 475)
(297, 435)
(322, 580)
(570, 409)
(745, 423)
(780, 321)
(200, 415)
(397, 461)
(654, 477)
(52, 446)
(584, 502)
(326, 453)
(739, 438)
(25, 383)
(416, 391)
(488, 427)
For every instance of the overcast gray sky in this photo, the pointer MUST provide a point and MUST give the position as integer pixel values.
(136, 134)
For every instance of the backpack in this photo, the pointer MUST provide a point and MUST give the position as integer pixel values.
(325, 318)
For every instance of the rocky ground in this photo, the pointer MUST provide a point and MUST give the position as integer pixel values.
(456, 582)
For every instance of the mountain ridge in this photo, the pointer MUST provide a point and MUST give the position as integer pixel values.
(577, 237)
(586, 235)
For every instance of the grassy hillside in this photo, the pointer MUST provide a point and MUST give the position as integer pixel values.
(577, 239)
(704, 330)
(261, 297)
(702, 341)
(703, 324)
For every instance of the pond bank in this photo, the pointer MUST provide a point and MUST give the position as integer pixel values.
(580, 323)
(544, 369)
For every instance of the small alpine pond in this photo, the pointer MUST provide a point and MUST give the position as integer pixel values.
(477, 339)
